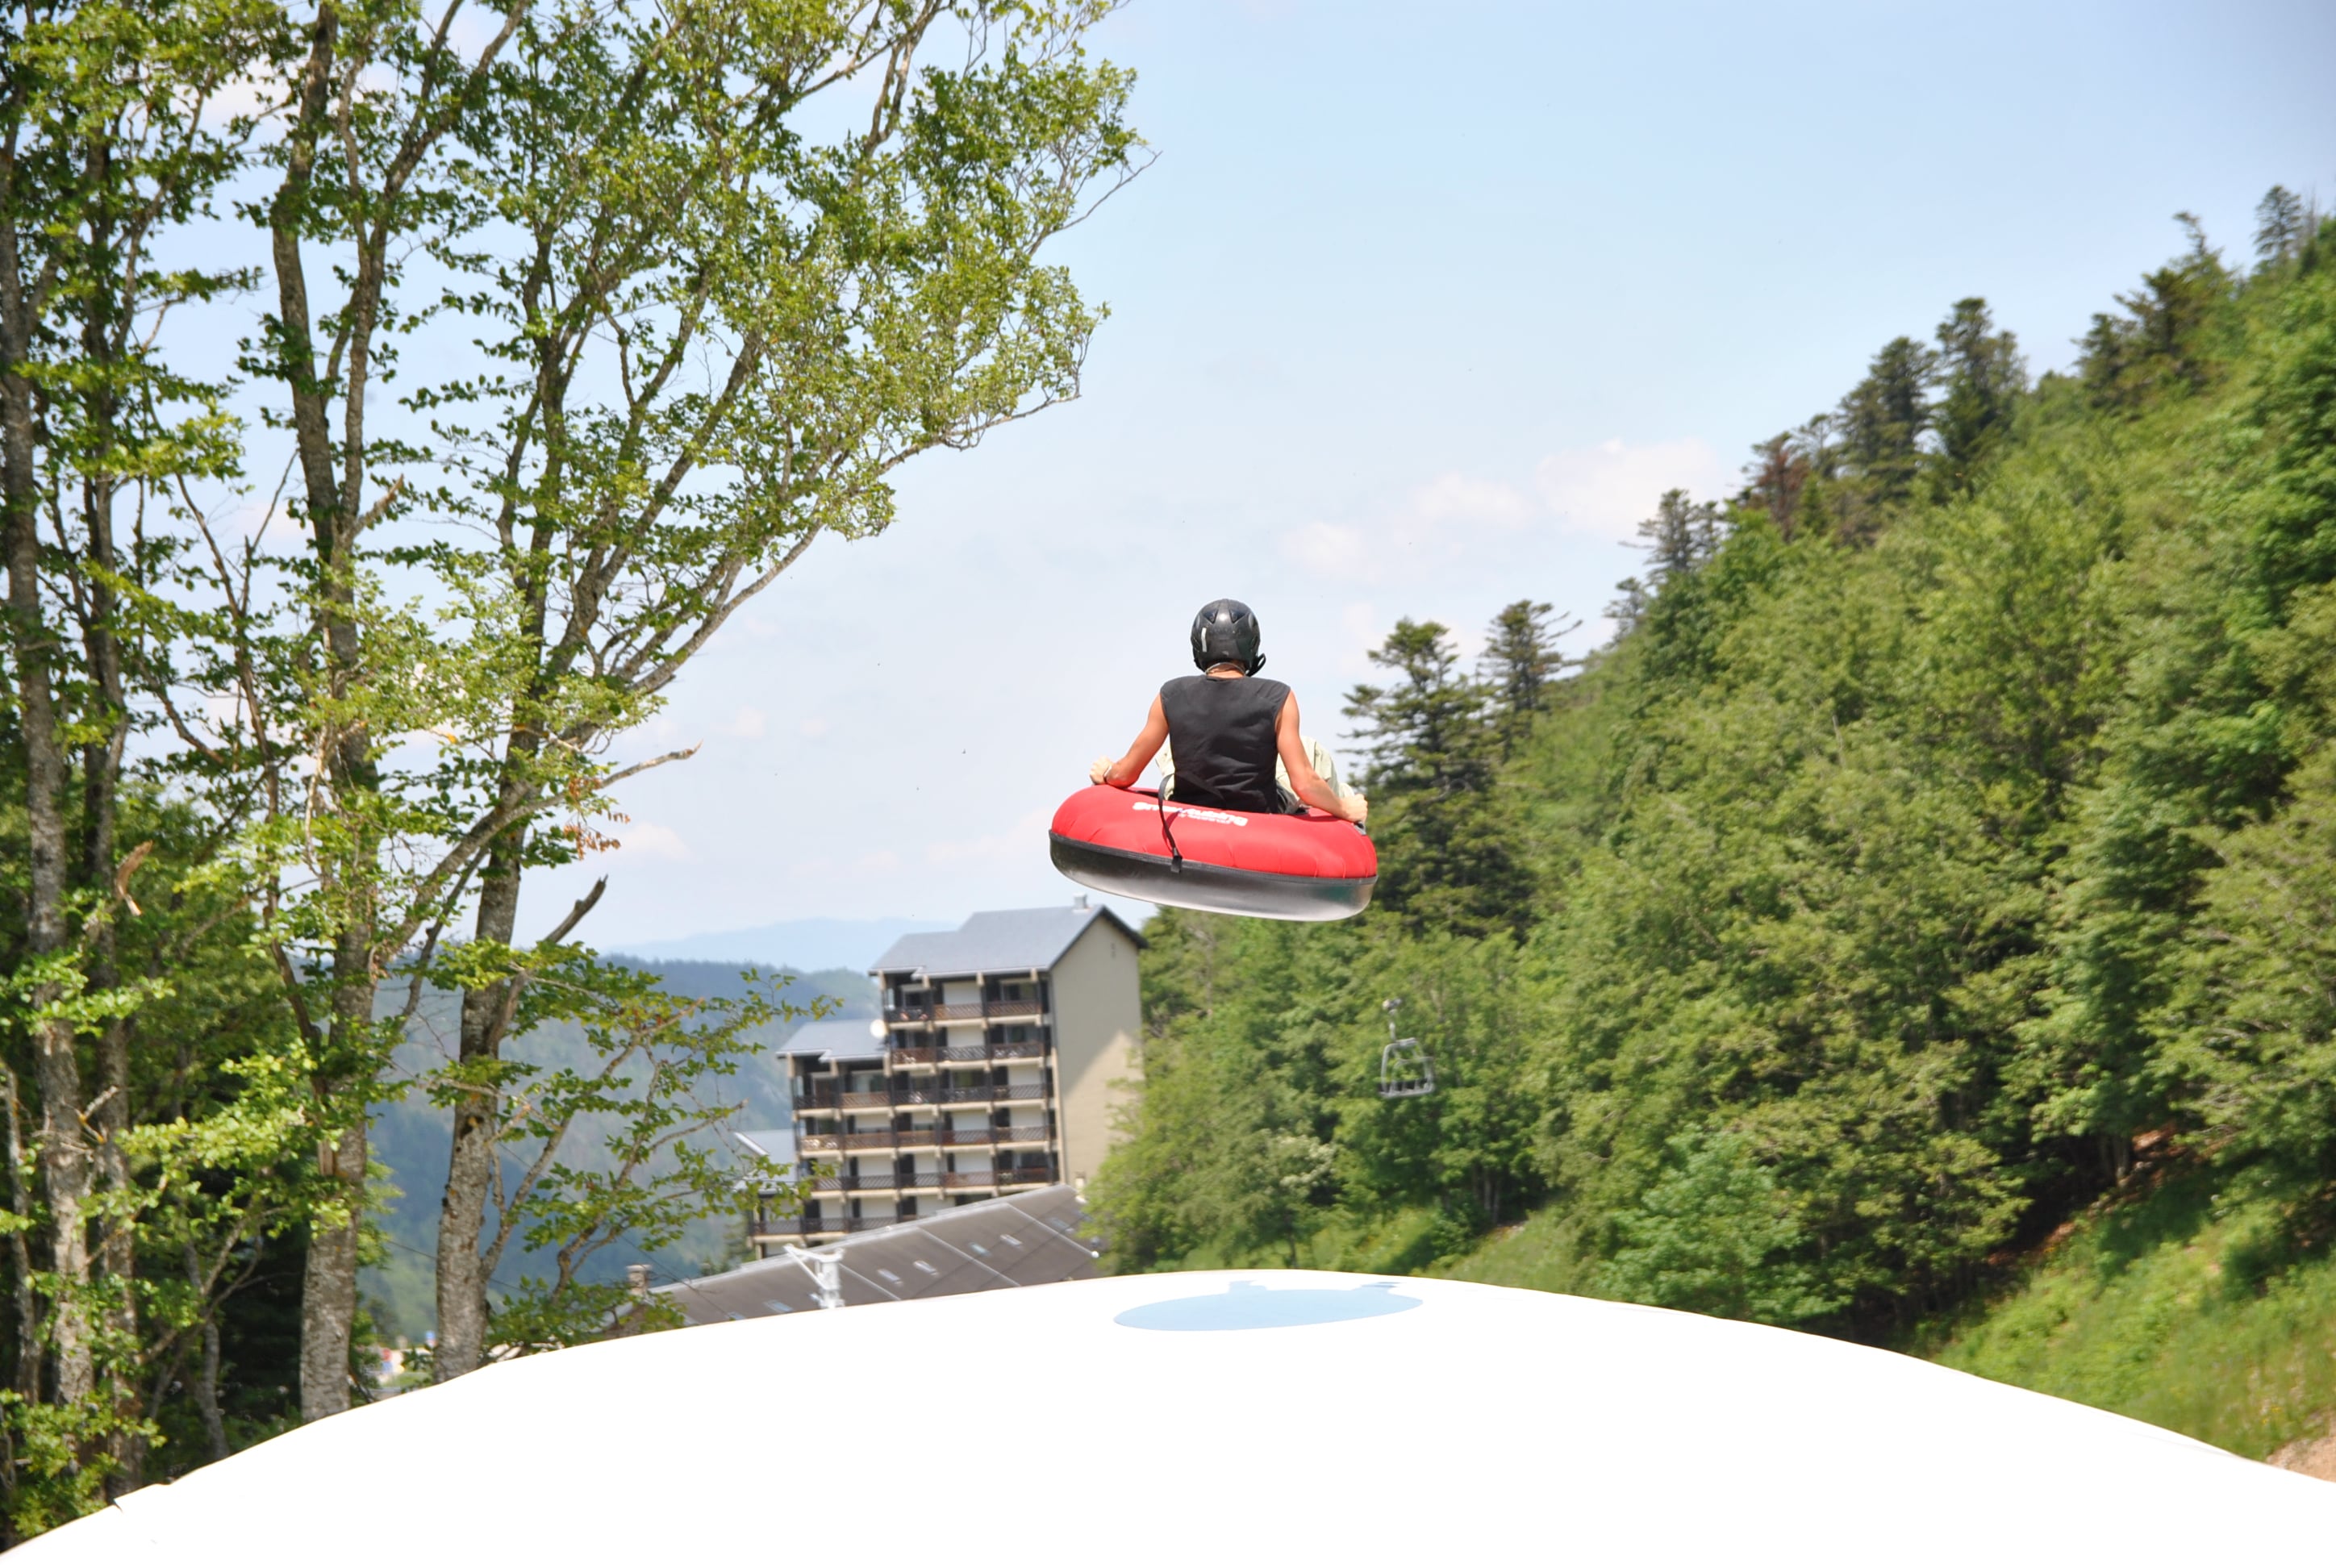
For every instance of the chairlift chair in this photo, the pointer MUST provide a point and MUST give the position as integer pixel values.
(1404, 1071)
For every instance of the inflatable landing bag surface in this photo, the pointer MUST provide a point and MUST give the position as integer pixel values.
(1285, 868)
(1257, 1418)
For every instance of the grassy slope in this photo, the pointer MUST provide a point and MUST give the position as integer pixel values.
(1537, 1255)
(2168, 1309)
(2171, 1309)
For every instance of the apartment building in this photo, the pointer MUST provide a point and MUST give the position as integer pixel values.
(994, 1068)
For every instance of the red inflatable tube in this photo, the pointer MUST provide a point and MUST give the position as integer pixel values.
(1313, 867)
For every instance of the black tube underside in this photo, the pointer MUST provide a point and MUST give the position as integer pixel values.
(1219, 890)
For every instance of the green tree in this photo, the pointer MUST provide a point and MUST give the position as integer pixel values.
(1982, 378)
(649, 1085)
(2284, 223)
(2250, 1022)
(1229, 1155)
(1715, 1235)
(675, 341)
(717, 342)
(1882, 424)
(2164, 341)
(111, 147)
(1520, 666)
(1447, 857)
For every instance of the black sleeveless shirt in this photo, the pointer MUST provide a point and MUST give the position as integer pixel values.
(1222, 734)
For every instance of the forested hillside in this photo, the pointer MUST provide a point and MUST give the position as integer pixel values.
(1950, 823)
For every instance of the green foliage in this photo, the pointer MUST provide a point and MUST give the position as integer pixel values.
(605, 1147)
(1982, 380)
(586, 321)
(2162, 344)
(1883, 419)
(1434, 739)
(2251, 1024)
(1953, 815)
(1714, 1234)
(1522, 665)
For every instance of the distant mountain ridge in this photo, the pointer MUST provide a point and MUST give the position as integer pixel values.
(796, 946)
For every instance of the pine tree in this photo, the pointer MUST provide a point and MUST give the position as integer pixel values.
(1628, 606)
(1428, 730)
(1520, 661)
(1446, 855)
(1679, 538)
(2160, 344)
(2283, 223)
(1882, 421)
(1782, 468)
(1774, 478)
(1982, 377)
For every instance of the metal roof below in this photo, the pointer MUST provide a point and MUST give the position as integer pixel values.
(999, 1243)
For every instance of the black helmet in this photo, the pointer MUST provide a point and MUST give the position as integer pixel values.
(1226, 632)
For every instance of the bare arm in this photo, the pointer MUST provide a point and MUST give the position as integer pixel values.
(1303, 779)
(1140, 753)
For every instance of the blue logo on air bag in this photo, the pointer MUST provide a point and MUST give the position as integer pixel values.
(1247, 1305)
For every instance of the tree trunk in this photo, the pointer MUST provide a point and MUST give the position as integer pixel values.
(329, 1293)
(207, 1399)
(65, 1162)
(104, 328)
(463, 1270)
(328, 1289)
(329, 1285)
(461, 1274)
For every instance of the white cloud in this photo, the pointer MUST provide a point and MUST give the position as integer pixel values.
(1329, 549)
(1461, 520)
(813, 728)
(653, 840)
(1013, 844)
(746, 724)
(1458, 497)
(1606, 489)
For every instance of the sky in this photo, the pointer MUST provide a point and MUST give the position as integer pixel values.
(1418, 312)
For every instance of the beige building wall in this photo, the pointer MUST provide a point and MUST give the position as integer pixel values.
(1099, 1010)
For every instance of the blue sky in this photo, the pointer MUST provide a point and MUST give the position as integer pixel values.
(1419, 310)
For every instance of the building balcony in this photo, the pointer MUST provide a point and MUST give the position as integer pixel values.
(943, 1056)
(883, 1182)
(812, 1144)
(934, 1180)
(920, 1094)
(957, 1181)
(795, 1228)
(926, 1015)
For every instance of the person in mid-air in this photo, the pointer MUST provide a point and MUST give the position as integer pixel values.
(1232, 739)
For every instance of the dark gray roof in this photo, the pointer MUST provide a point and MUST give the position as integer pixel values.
(833, 1037)
(998, 942)
(777, 1145)
(1026, 1239)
